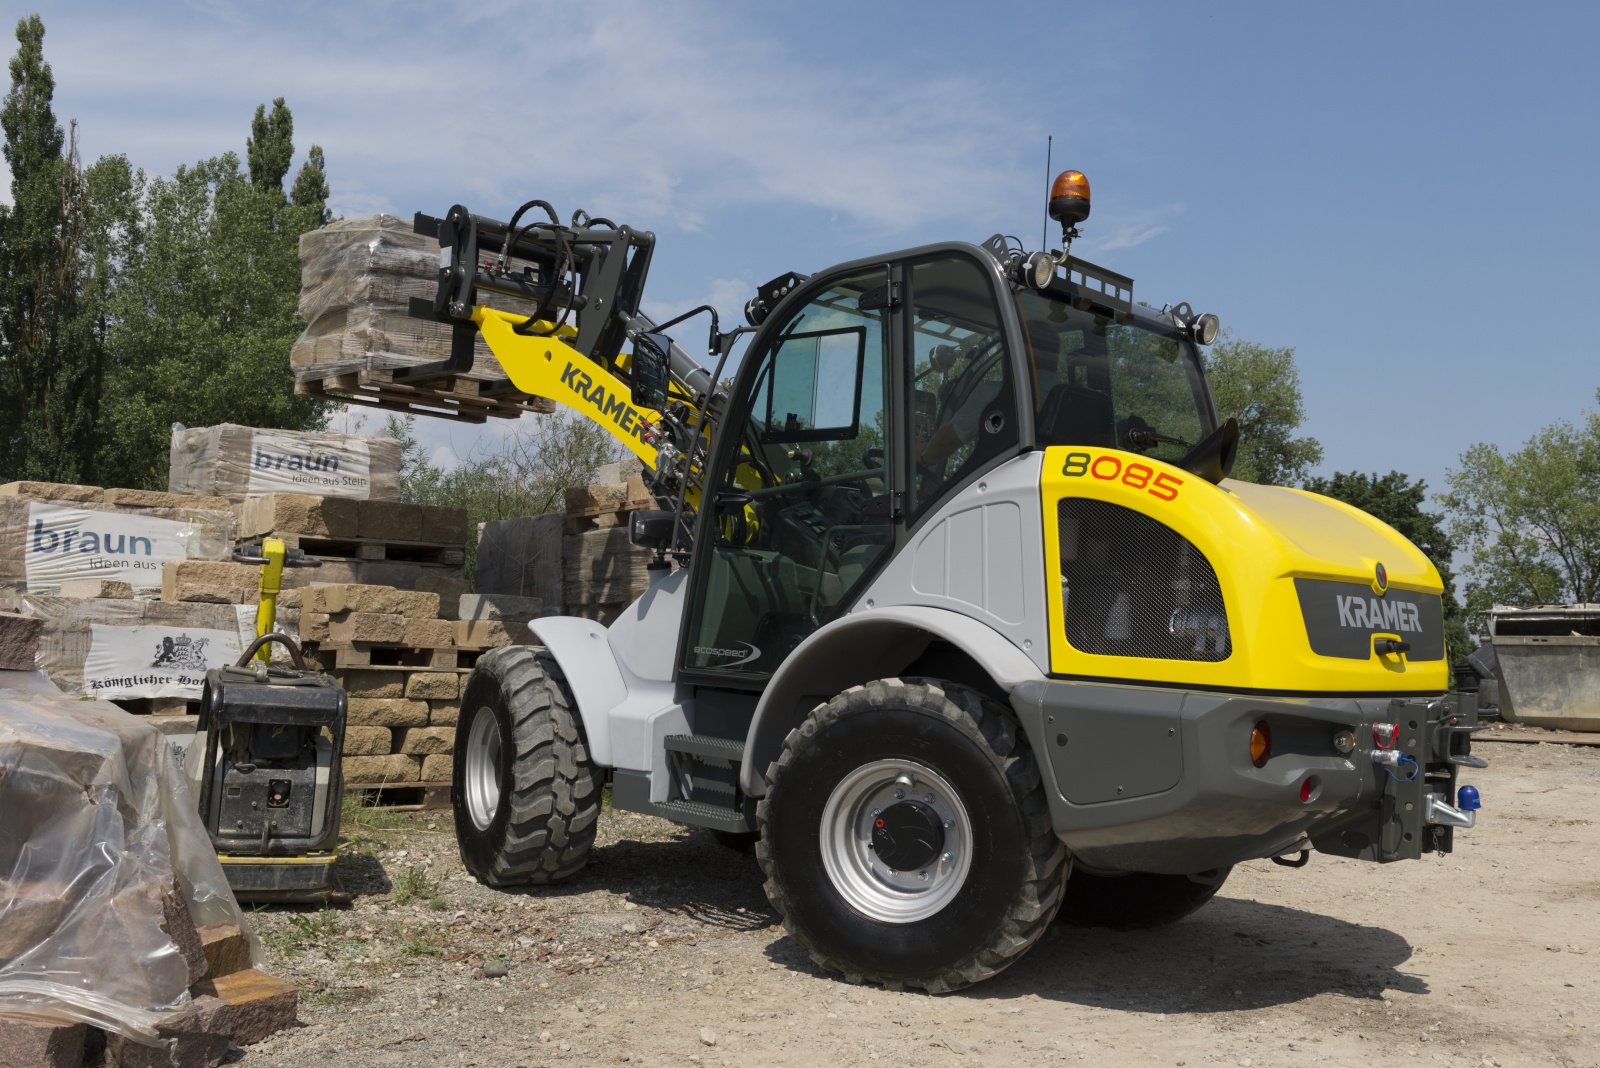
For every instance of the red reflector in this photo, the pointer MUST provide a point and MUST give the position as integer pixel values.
(878, 822)
(1310, 788)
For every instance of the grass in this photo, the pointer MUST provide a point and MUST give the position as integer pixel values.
(413, 885)
(414, 944)
(305, 930)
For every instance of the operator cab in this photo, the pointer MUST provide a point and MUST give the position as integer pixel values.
(878, 389)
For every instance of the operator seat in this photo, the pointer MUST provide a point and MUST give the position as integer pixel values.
(1076, 415)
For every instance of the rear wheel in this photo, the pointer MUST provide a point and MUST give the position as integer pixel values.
(1137, 899)
(905, 836)
(526, 798)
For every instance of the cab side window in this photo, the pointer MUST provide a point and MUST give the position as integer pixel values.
(962, 397)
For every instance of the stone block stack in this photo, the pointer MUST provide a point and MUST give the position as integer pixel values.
(578, 562)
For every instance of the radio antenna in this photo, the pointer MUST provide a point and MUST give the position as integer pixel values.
(1044, 231)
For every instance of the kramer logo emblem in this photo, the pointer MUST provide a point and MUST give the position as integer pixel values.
(627, 418)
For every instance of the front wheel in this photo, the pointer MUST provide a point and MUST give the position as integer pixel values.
(1135, 900)
(526, 797)
(905, 836)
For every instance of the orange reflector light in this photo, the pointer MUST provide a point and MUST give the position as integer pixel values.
(1260, 743)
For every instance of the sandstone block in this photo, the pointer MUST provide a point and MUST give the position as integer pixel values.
(19, 641)
(378, 770)
(368, 741)
(350, 627)
(373, 684)
(387, 713)
(179, 926)
(491, 633)
(438, 768)
(355, 597)
(250, 1005)
(427, 741)
(390, 521)
(139, 498)
(31, 1043)
(504, 606)
(439, 685)
(212, 581)
(93, 587)
(299, 513)
(313, 626)
(429, 633)
(54, 491)
(444, 713)
(226, 949)
(183, 1044)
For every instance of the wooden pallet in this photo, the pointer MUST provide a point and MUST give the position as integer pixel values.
(468, 400)
(399, 552)
(159, 706)
(385, 655)
(405, 796)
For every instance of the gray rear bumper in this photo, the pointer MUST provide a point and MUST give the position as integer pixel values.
(1145, 779)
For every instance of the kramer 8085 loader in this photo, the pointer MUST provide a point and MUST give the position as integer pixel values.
(954, 612)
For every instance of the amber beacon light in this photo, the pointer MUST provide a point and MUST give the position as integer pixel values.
(1069, 202)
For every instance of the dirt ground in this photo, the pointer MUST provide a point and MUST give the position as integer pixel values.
(665, 952)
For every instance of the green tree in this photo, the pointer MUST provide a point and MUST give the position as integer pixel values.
(1398, 501)
(270, 147)
(311, 186)
(1260, 387)
(37, 292)
(527, 474)
(1530, 519)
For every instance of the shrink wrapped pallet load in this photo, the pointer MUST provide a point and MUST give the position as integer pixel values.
(356, 283)
(237, 462)
(46, 540)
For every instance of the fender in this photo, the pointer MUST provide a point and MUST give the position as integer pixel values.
(860, 647)
(583, 649)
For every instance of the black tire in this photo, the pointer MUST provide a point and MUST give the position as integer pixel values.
(539, 823)
(738, 841)
(987, 914)
(1138, 899)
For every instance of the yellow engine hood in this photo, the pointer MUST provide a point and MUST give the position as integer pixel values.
(1297, 575)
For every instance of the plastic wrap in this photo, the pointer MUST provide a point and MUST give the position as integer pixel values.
(120, 649)
(357, 279)
(44, 543)
(237, 462)
(102, 853)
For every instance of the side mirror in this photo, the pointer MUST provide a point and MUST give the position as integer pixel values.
(1213, 458)
(651, 370)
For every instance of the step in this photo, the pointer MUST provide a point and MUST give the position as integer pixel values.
(706, 746)
(700, 814)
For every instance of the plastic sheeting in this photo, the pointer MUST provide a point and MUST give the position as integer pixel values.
(96, 826)
(239, 461)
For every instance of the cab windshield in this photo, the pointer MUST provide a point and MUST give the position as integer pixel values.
(1101, 383)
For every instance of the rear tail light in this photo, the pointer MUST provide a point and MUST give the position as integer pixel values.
(1260, 743)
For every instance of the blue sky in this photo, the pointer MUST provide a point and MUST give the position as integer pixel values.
(1403, 192)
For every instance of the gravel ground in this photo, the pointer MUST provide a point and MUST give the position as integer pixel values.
(665, 952)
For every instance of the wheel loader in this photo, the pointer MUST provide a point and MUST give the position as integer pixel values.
(954, 612)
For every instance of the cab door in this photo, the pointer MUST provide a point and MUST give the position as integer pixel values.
(801, 509)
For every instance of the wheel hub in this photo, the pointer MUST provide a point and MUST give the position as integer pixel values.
(896, 840)
(908, 836)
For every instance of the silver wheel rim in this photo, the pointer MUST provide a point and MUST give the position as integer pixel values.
(870, 886)
(482, 772)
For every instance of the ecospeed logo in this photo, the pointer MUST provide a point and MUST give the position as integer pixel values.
(741, 656)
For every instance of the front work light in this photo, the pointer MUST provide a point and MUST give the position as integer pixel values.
(1205, 328)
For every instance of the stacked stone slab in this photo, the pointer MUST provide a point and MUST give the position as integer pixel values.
(578, 562)
(237, 462)
(205, 526)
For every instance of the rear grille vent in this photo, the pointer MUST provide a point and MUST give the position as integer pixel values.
(1132, 586)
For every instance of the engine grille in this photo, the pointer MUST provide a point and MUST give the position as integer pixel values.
(1133, 586)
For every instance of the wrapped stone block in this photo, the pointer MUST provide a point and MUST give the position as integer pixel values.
(235, 462)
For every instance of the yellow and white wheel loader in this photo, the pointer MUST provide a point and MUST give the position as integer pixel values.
(954, 610)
